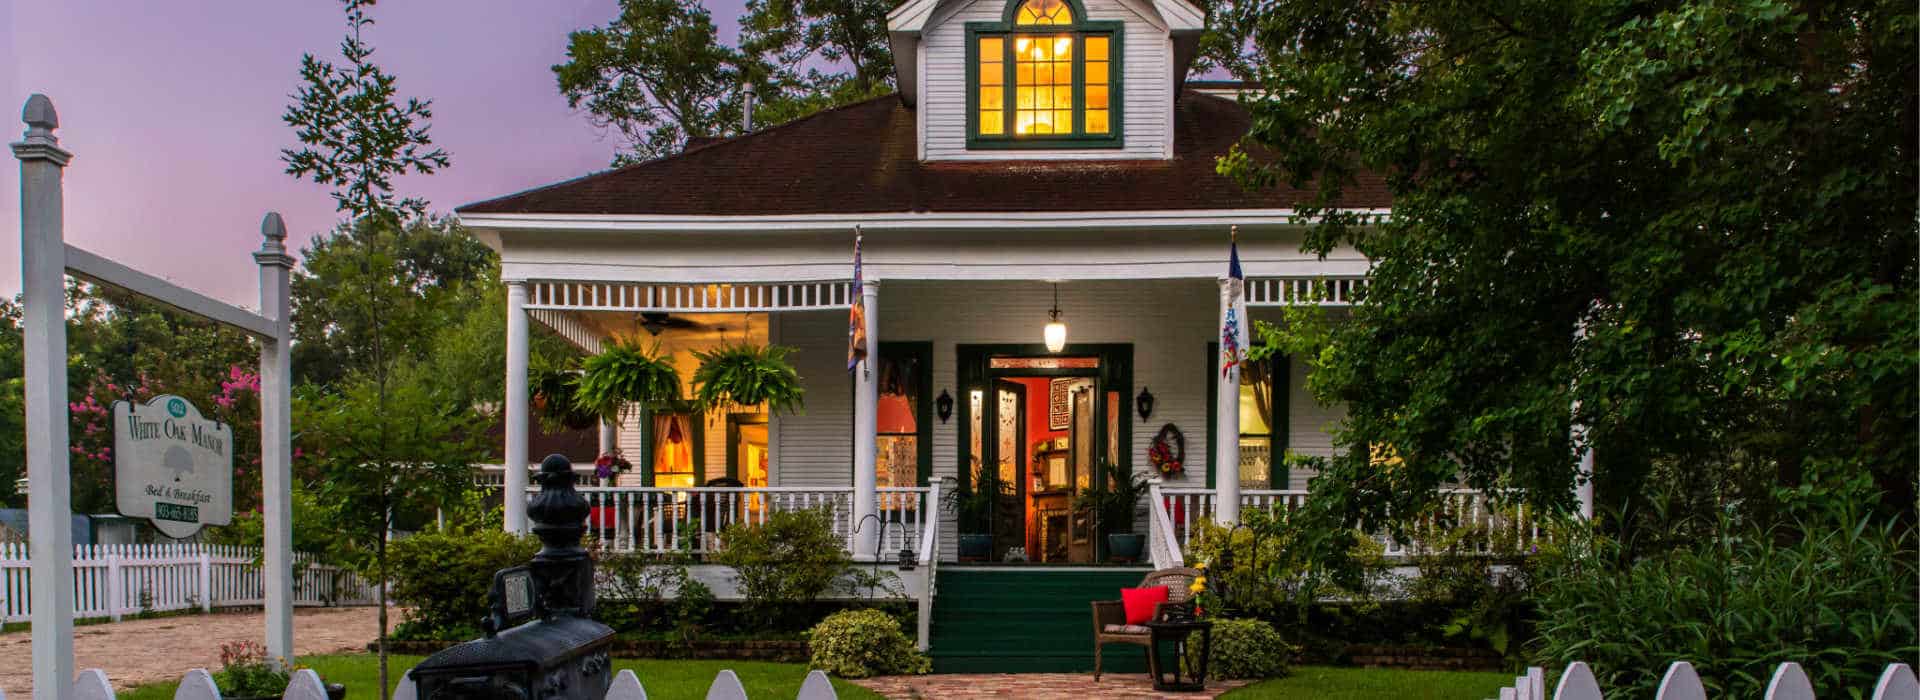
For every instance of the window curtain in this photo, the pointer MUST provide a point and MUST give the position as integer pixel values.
(672, 444)
(1260, 376)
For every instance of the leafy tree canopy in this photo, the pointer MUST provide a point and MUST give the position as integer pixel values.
(659, 75)
(1693, 220)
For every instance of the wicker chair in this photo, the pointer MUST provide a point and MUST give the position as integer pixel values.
(1110, 616)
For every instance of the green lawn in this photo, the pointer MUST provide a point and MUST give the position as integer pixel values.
(1324, 683)
(663, 679)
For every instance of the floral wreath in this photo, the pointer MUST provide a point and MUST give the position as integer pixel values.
(1168, 453)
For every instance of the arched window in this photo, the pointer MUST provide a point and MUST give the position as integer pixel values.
(1044, 77)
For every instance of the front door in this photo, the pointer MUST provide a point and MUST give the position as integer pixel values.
(1043, 424)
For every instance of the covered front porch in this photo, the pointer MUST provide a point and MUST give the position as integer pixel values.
(879, 446)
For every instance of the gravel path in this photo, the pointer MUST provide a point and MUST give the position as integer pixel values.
(134, 652)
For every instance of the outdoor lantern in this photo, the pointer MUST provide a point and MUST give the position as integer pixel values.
(1144, 402)
(944, 405)
(1056, 332)
(907, 559)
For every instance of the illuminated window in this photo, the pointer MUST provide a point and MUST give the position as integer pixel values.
(1263, 421)
(1045, 77)
(673, 452)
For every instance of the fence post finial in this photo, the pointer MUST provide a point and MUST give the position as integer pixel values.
(92, 684)
(197, 685)
(726, 686)
(1896, 682)
(626, 686)
(40, 117)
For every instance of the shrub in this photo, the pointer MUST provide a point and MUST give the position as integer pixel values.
(785, 563)
(245, 669)
(862, 643)
(1834, 594)
(442, 578)
(1245, 649)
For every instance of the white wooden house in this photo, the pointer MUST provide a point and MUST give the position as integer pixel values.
(1035, 149)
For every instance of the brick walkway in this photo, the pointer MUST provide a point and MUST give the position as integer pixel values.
(1078, 686)
(133, 652)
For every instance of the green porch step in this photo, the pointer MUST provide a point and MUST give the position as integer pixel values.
(1026, 620)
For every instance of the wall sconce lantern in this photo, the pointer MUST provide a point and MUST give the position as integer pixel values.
(944, 405)
(1144, 403)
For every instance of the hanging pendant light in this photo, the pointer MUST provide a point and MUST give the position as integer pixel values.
(1056, 332)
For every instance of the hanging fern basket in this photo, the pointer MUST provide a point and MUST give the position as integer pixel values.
(737, 376)
(626, 374)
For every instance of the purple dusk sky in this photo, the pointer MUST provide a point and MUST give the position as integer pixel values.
(172, 110)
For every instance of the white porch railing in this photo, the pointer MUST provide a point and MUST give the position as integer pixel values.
(115, 580)
(659, 520)
(1178, 512)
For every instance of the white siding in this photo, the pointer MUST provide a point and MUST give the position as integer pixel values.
(1147, 92)
(816, 445)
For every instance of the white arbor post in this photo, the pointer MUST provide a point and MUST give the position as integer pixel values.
(1226, 433)
(866, 425)
(515, 458)
(49, 502)
(276, 443)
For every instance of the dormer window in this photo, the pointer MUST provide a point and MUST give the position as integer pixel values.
(1044, 77)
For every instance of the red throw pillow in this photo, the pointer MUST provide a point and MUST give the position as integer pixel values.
(1139, 602)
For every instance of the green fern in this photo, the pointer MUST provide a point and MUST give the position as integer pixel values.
(624, 374)
(747, 375)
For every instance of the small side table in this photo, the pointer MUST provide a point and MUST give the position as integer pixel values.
(1179, 636)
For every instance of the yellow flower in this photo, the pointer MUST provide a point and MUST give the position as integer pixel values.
(1201, 566)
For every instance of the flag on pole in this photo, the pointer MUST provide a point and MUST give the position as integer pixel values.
(857, 318)
(1233, 300)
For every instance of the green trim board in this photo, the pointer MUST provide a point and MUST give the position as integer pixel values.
(1280, 407)
(1081, 28)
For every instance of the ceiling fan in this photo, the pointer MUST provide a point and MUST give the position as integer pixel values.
(657, 321)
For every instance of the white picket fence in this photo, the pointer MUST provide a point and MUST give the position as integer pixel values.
(1789, 682)
(114, 580)
(626, 686)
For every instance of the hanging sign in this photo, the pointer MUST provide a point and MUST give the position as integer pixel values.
(172, 466)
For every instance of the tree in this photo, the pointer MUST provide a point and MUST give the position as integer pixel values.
(786, 34)
(1692, 219)
(433, 272)
(381, 437)
(657, 74)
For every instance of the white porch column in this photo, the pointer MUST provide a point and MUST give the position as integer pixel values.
(515, 457)
(866, 425)
(43, 270)
(1226, 433)
(276, 444)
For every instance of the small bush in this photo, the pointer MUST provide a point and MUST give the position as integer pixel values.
(785, 563)
(863, 643)
(442, 578)
(1248, 649)
(245, 669)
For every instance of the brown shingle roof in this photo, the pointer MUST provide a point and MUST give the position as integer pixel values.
(862, 158)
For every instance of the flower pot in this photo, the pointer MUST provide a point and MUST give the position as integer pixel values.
(976, 547)
(1125, 546)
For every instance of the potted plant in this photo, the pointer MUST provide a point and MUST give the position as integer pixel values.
(1113, 509)
(747, 375)
(625, 374)
(974, 508)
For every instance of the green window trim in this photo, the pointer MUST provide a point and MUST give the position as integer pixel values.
(1279, 476)
(1080, 29)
